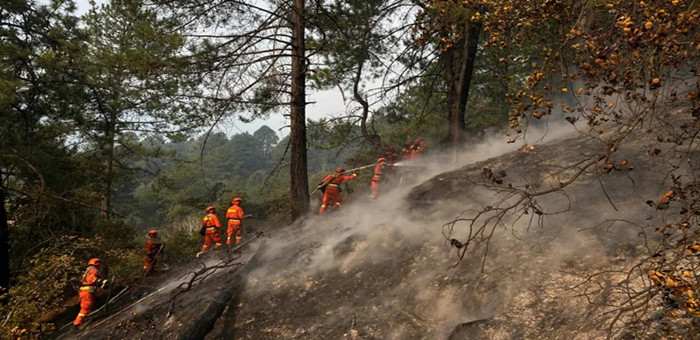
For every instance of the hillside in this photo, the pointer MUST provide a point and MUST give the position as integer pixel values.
(384, 270)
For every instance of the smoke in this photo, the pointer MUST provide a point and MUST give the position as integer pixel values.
(383, 267)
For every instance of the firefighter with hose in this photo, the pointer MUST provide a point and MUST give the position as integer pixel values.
(330, 186)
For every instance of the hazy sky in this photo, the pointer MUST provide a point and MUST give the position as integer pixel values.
(324, 103)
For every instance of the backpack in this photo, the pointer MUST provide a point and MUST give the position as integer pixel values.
(323, 185)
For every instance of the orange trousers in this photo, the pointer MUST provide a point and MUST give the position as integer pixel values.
(209, 237)
(375, 188)
(149, 262)
(234, 228)
(330, 198)
(86, 301)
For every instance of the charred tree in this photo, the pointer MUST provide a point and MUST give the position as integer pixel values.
(299, 192)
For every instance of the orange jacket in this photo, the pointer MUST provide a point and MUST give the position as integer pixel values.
(415, 150)
(92, 274)
(405, 154)
(377, 172)
(235, 212)
(153, 245)
(210, 220)
(338, 179)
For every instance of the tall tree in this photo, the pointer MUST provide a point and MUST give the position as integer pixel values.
(38, 49)
(255, 65)
(135, 80)
(298, 172)
(455, 28)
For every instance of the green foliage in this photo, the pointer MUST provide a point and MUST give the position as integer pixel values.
(182, 241)
(50, 279)
(108, 106)
(350, 33)
(420, 111)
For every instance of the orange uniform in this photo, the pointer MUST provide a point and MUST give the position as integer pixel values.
(235, 225)
(212, 227)
(376, 178)
(153, 249)
(91, 279)
(391, 156)
(405, 154)
(415, 151)
(331, 196)
(422, 144)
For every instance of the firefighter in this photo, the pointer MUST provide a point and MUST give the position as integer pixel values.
(331, 192)
(423, 145)
(154, 247)
(235, 225)
(381, 163)
(210, 229)
(416, 149)
(90, 281)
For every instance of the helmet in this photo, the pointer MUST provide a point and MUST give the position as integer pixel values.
(152, 232)
(237, 199)
(339, 170)
(209, 209)
(381, 160)
(94, 262)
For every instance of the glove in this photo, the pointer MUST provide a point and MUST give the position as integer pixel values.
(249, 216)
(103, 283)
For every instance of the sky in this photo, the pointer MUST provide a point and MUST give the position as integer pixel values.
(321, 103)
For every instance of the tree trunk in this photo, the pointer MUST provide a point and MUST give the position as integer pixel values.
(299, 191)
(4, 242)
(458, 65)
(108, 166)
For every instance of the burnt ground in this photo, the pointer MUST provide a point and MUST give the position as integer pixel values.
(384, 269)
(164, 306)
